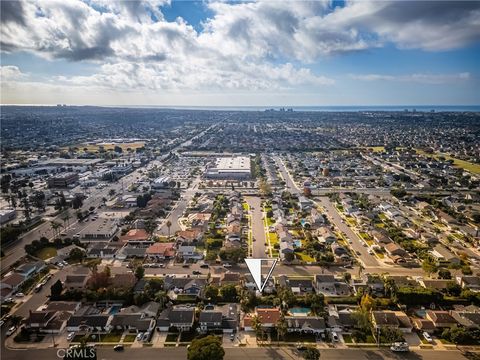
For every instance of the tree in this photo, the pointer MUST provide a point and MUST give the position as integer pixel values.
(367, 303)
(56, 290)
(77, 202)
(111, 192)
(429, 265)
(76, 255)
(316, 302)
(55, 227)
(229, 293)
(118, 149)
(444, 274)
(206, 348)
(139, 272)
(281, 327)
(211, 293)
(311, 353)
(257, 325)
(169, 225)
(15, 320)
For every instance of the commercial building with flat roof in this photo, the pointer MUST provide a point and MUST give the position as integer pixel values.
(230, 168)
(62, 180)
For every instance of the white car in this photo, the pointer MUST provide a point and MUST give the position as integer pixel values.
(19, 295)
(70, 336)
(334, 336)
(427, 337)
(11, 330)
(139, 336)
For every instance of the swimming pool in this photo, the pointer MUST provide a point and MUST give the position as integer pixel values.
(299, 311)
(114, 309)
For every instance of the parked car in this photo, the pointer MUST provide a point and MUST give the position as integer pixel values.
(196, 272)
(334, 336)
(204, 266)
(139, 336)
(186, 265)
(300, 346)
(70, 336)
(227, 266)
(399, 347)
(232, 337)
(427, 337)
(118, 347)
(19, 295)
(11, 331)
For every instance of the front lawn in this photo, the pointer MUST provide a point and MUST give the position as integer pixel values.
(46, 253)
(294, 337)
(171, 337)
(129, 338)
(347, 338)
(111, 338)
(273, 238)
(304, 257)
(187, 336)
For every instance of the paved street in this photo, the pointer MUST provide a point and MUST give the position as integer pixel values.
(258, 231)
(289, 183)
(177, 212)
(273, 353)
(357, 243)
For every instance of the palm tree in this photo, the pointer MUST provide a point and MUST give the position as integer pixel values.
(281, 327)
(55, 226)
(66, 219)
(169, 224)
(257, 325)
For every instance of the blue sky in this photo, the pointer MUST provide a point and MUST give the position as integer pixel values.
(264, 53)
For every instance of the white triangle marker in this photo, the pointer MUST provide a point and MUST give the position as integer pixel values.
(255, 268)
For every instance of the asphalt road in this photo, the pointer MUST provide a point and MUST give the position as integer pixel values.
(177, 212)
(258, 230)
(180, 353)
(357, 244)
(289, 183)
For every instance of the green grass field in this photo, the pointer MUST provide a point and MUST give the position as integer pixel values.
(466, 165)
(47, 253)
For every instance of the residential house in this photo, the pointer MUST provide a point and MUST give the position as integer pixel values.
(132, 322)
(190, 236)
(441, 319)
(305, 324)
(327, 285)
(298, 286)
(160, 251)
(187, 252)
(230, 278)
(136, 237)
(29, 269)
(11, 284)
(268, 318)
(325, 235)
(210, 320)
(470, 282)
(89, 319)
(75, 282)
(179, 317)
(340, 317)
(124, 281)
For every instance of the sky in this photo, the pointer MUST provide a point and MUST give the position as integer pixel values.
(255, 53)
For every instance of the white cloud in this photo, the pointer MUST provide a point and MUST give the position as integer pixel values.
(415, 78)
(10, 72)
(248, 45)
